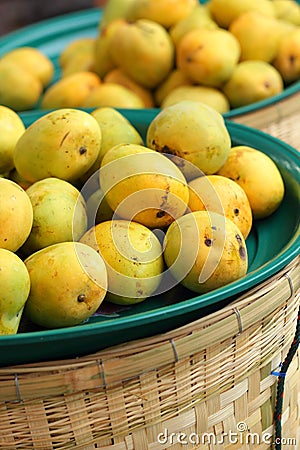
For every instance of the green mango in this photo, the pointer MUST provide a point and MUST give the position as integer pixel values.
(59, 214)
(15, 285)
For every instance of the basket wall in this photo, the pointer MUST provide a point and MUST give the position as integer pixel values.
(281, 120)
(207, 377)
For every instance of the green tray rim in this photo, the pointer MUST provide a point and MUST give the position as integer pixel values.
(291, 251)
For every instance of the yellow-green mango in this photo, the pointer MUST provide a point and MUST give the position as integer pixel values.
(17, 178)
(59, 214)
(208, 56)
(205, 250)
(113, 95)
(20, 89)
(287, 10)
(15, 286)
(114, 9)
(194, 134)
(64, 144)
(259, 36)
(143, 50)
(133, 258)
(259, 176)
(70, 91)
(164, 12)
(252, 81)
(118, 76)
(68, 283)
(287, 59)
(11, 128)
(225, 11)
(209, 95)
(103, 61)
(16, 215)
(224, 196)
(115, 129)
(175, 79)
(78, 56)
(33, 60)
(97, 208)
(143, 185)
(199, 17)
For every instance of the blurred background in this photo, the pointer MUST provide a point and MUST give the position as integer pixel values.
(15, 14)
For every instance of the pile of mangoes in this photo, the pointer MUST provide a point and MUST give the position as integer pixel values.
(91, 210)
(151, 54)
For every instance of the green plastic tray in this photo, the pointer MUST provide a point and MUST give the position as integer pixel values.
(272, 244)
(52, 35)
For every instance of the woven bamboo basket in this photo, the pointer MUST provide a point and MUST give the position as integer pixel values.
(210, 384)
(280, 119)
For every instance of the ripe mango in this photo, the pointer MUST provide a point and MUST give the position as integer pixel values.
(194, 134)
(68, 284)
(287, 10)
(114, 9)
(258, 175)
(11, 128)
(103, 61)
(287, 59)
(113, 95)
(119, 76)
(115, 129)
(164, 12)
(78, 56)
(205, 250)
(199, 17)
(144, 50)
(20, 89)
(16, 215)
(34, 61)
(70, 91)
(259, 36)
(209, 95)
(62, 144)
(133, 258)
(224, 196)
(59, 214)
(176, 78)
(225, 11)
(143, 185)
(208, 56)
(97, 208)
(252, 81)
(15, 286)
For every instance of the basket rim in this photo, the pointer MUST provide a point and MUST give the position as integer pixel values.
(237, 316)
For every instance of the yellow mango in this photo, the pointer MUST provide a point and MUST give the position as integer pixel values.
(205, 250)
(258, 175)
(70, 91)
(224, 196)
(33, 60)
(15, 285)
(11, 128)
(20, 89)
(16, 215)
(133, 258)
(68, 284)
(143, 185)
(63, 144)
